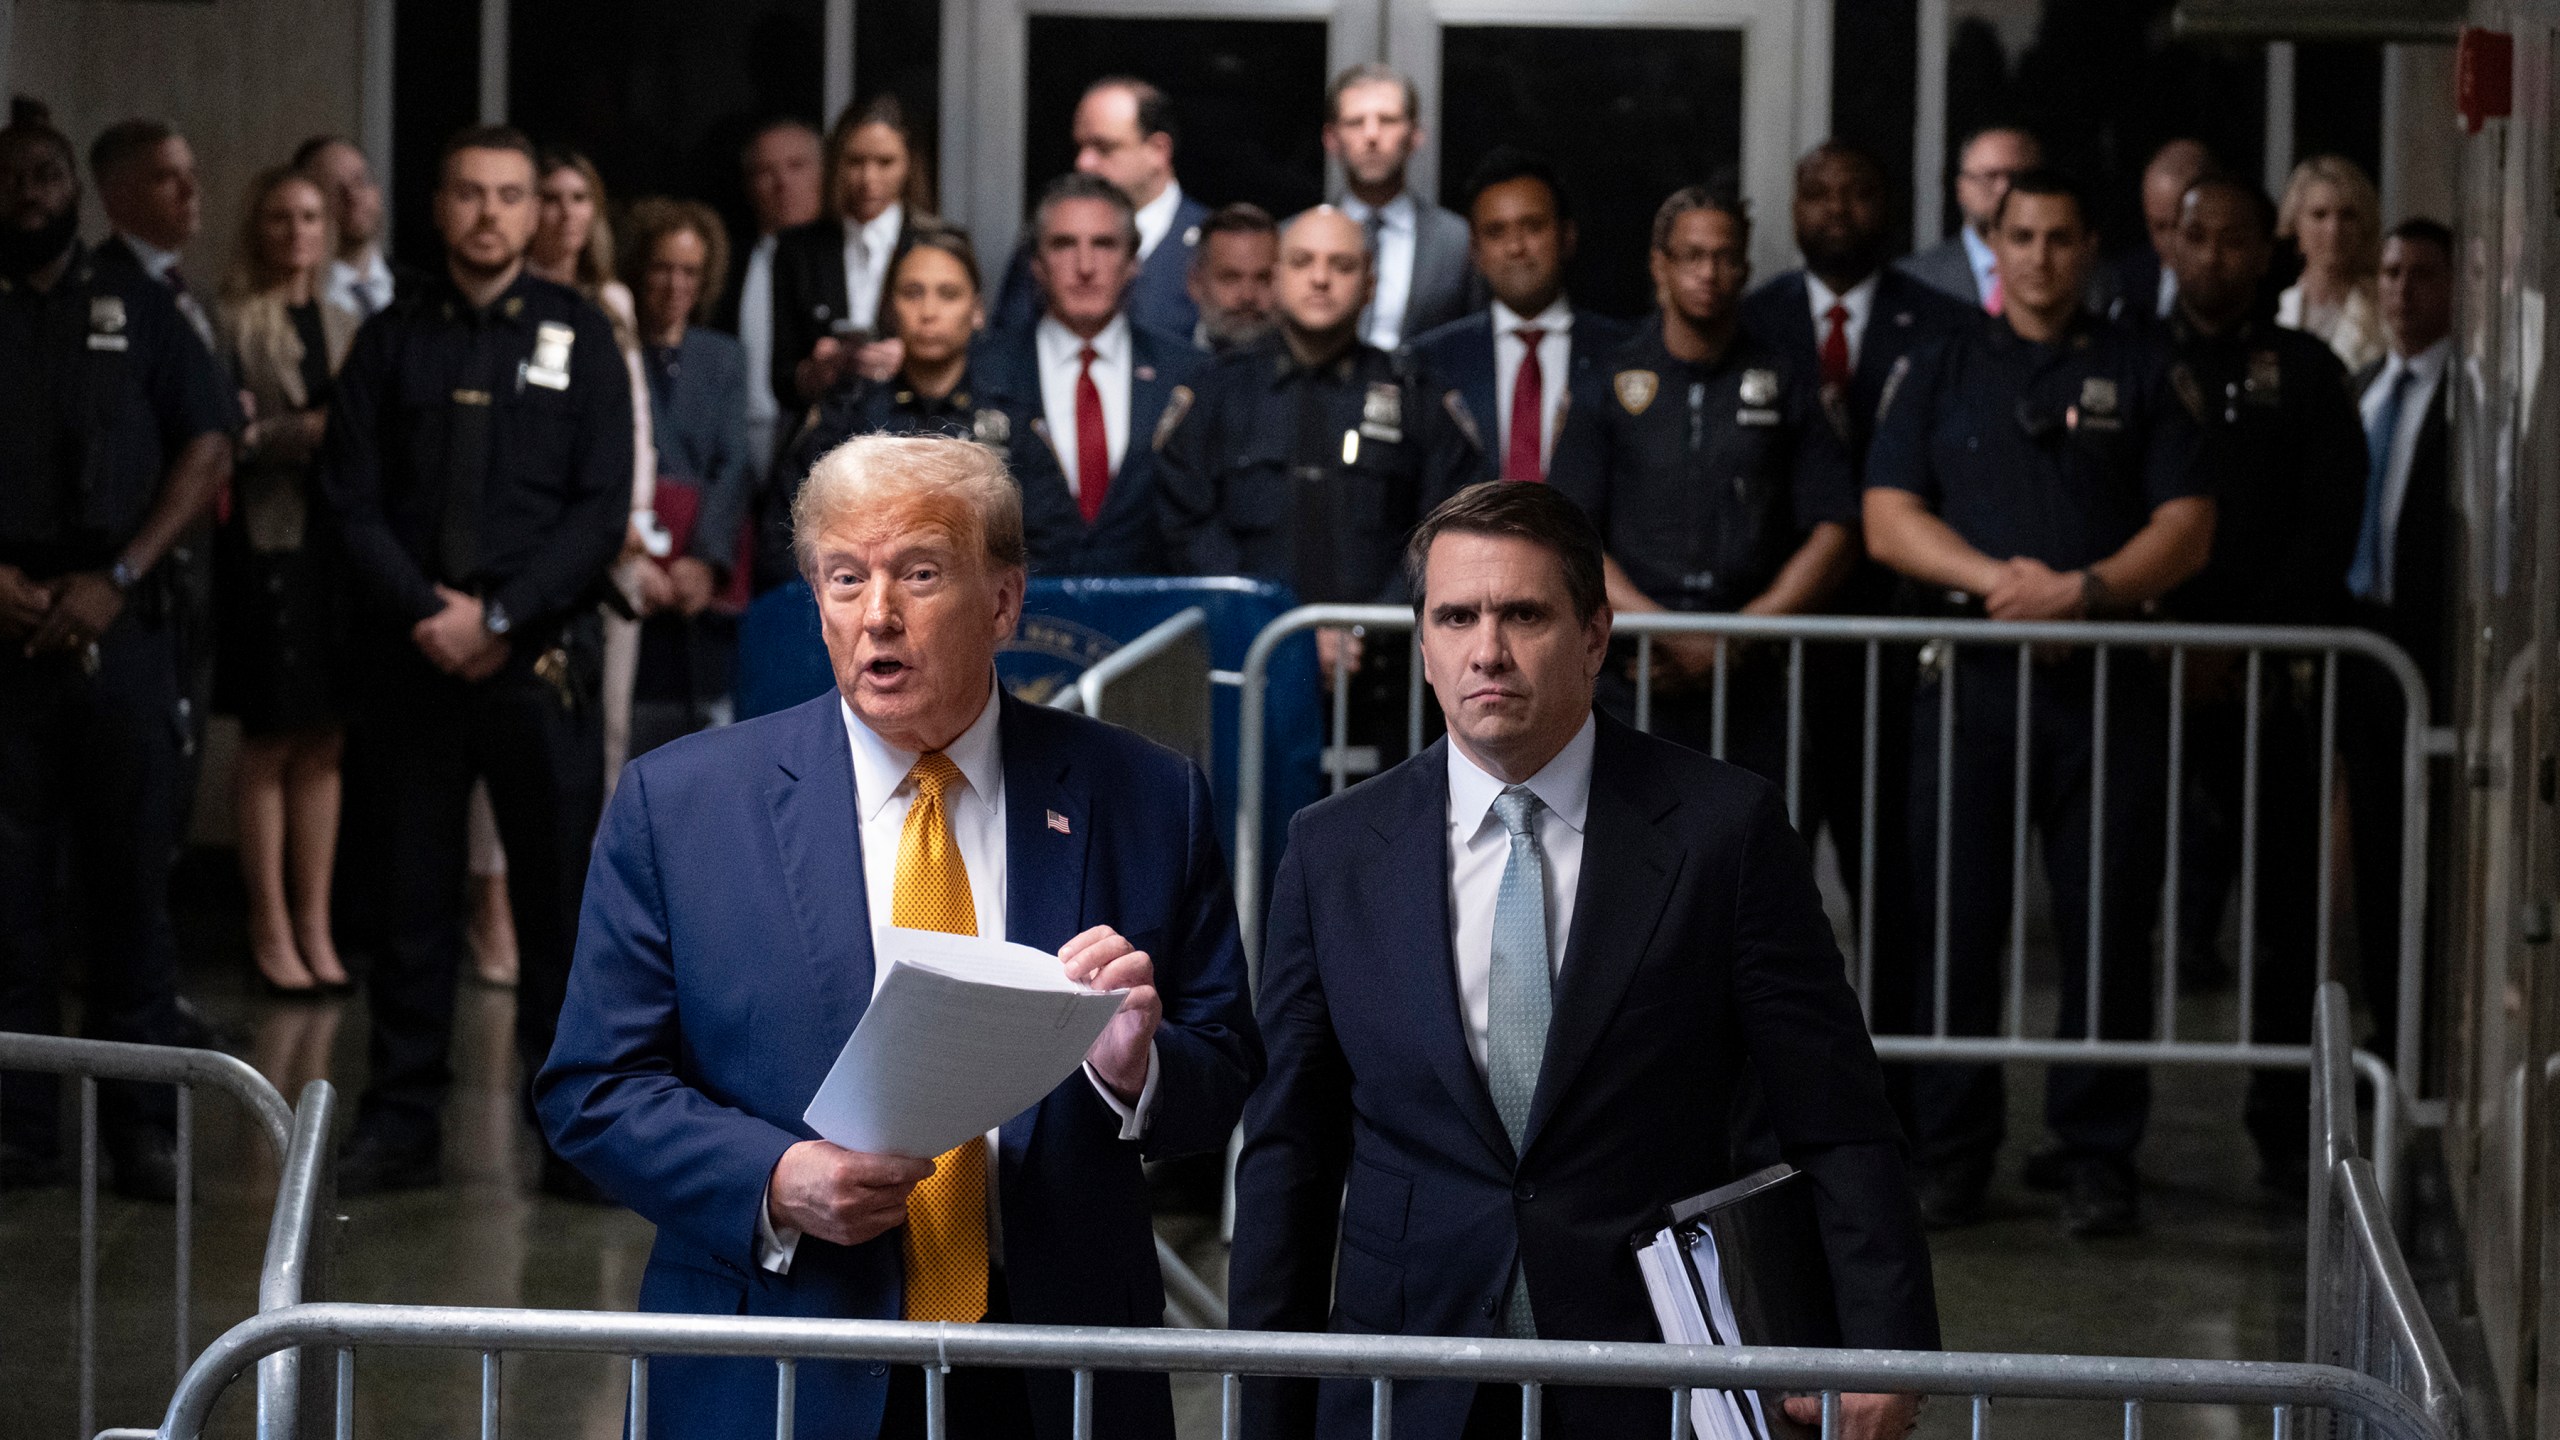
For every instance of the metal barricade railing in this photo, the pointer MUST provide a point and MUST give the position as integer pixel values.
(2287, 1391)
(2361, 1309)
(2172, 642)
(300, 1138)
(1158, 685)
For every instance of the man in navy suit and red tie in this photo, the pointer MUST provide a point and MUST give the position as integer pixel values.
(1509, 989)
(725, 953)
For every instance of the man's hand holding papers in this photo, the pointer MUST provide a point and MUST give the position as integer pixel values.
(1102, 959)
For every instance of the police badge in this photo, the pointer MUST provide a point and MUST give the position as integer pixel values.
(1636, 389)
(106, 323)
(992, 428)
(1382, 414)
(2097, 395)
(1759, 387)
(549, 367)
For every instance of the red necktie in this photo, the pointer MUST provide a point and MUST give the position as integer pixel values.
(1835, 348)
(1093, 443)
(1520, 458)
(1992, 303)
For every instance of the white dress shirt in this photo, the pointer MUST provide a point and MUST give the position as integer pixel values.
(884, 791)
(1555, 361)
(361, 289)
(868, 249)
(755, 330)
(157, 263)
(1977, 253)
(1155, 219)
(1059, 350)
(1479, 848)
(2426, 372)
(1383, 326)
(1859, 300)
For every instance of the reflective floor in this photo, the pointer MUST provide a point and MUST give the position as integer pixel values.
(2218, 1273)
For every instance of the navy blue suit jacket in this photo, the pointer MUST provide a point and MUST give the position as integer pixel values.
(1699, 953)
(1460, 353)
(1159, 298)
(1907, 314)
(724, 954)
(1125, 539)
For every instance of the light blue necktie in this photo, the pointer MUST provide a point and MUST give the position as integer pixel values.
(2364, 576)
(1519, 997)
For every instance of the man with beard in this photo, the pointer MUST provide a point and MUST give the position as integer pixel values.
(1716, 484)
(478, 473)
(1231, 276)
(113, 441)
(1516, 360)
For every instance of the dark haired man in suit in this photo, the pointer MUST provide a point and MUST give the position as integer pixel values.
(1124, 132)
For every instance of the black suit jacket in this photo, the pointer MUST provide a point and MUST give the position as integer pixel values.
(1460, 353)
(1126, 538)
(1699, 954)
(2420, 616)
(1907, 313)
(809, 298)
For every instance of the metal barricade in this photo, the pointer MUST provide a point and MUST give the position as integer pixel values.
(2288, 1392)
(2172, 643)
(300, 1137)
(1157, 684)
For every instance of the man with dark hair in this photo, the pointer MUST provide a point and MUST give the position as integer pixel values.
(1716, 484)
(2044, 467)
(2288, 463)
(1231, 276)
(361, 279)
(1964, 267)
(1510, 990)
(1418, 251)
(1101, 382)
(780, 168)
(1124, 133)
(478, 473)
(1516, 360)
(2141, 284)
(114, 440)
(2402, 583)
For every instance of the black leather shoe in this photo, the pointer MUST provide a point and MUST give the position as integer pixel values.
(2104, 1199)
(374, 1163)
(1951, 1194)
(565, 1181)
(2048, 1170)
(24, 1169)
(146, 1164)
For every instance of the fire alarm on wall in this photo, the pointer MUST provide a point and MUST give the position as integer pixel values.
(2484, 69)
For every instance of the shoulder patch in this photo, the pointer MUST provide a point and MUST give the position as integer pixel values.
(1636, 389)
(2190, 394)
(1176, 405)
(1457, 407)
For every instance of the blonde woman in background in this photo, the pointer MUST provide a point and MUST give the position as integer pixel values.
(2333, 215)
(277, 603)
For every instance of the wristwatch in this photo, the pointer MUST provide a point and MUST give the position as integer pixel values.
(495, 620)
(122, 576)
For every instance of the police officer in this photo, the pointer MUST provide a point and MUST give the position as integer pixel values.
(2041, 466)
(1308, 456)
(1715, 482)
(934, 290)
(113, 442)
(478, 469)
(2288, 458)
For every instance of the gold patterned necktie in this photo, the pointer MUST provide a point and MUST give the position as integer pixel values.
(946, 1244)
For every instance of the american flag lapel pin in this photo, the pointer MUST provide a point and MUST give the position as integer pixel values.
(1058, 823)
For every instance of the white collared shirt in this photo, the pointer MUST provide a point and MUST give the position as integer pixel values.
(156, 262)
(1479, 849)
(1977, 253)
(868, 249)
(1155, 218)
(1555, 361)
(2426, 372)
(755, 329)
(1383, 325)
(1059, 350)
(361, 289)
(884, 790)
(1859, 300)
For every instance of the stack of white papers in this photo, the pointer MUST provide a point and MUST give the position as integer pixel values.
(962, 1035)
(1677, 1276)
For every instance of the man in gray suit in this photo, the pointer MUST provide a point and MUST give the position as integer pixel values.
(1962, 266)
(1373, 125)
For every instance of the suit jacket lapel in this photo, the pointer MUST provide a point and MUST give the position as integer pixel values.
(1413, 906)
(1803, 346)
(1483, 375)
(818, 833)
(1628, 866)
(831, 286)
(1147, 394)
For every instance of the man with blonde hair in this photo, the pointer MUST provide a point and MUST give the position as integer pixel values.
(726, 952)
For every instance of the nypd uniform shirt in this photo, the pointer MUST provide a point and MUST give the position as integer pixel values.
(1703, 478)
(2286, 450)
(484, 448)
(102, 383)
(2058, 452)
(1051, 523)
(1312, 476)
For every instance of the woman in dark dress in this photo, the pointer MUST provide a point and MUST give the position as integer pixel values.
(277, 603)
